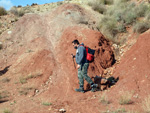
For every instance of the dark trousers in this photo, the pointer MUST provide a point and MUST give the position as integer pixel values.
(82, 74)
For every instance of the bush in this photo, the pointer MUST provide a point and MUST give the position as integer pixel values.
(2, 11)
(104, 2)
(97, 6)
(110, 28)
(141, 27)
(117, 2)
(109, 24)
(21, 11)
(129, 17)
(141, 10)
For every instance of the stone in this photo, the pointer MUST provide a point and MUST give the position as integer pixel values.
(62, 110)
(9, 32)
(1, 45)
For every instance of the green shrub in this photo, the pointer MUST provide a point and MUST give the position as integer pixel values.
(141, 27)
(2, 11)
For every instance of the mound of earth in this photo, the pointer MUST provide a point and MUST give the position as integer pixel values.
(36, 64)
(134, 74)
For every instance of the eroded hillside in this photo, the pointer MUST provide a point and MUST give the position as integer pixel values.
(38, 73)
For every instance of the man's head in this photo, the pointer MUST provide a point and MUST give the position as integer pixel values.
(75, 43)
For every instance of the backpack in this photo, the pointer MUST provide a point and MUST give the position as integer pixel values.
(89, 53)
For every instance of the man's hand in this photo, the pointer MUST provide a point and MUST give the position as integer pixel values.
(73, 56)
(78, 66)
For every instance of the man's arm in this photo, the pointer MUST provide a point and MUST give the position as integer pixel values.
(80, 55)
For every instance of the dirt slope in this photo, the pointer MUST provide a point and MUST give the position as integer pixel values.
(133, 72)
(41, 70)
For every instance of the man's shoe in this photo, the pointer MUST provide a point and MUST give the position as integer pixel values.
(80, 90)
(94, 87)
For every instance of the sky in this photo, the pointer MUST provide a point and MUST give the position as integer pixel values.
(7, 4)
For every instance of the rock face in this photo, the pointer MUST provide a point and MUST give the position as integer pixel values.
(38, 51)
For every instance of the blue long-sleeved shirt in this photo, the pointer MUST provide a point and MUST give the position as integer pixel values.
(81, 55)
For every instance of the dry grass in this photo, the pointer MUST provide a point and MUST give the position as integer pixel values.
(7, 111)
(125, 98)
(0, 24)
(146, 104)
(104, 99)
(4, 94)
(133, 111)
(25, 91)
(5, 80)
(23, 80)
(46, 103)
(120, 110)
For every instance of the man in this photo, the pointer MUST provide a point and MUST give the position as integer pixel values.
(82, 66)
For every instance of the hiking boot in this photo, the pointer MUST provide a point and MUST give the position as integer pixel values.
(94, 87)
(80, 90)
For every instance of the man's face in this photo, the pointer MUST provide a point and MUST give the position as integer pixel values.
(75, 46)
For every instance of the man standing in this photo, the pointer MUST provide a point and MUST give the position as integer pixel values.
(82, 67)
